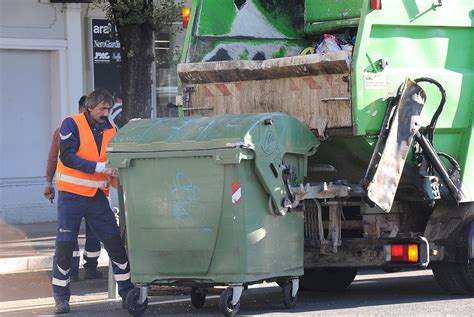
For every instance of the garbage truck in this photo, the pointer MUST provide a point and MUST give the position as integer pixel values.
(387, 88)
(317, 137)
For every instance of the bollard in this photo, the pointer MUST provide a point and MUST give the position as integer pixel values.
(111, 283)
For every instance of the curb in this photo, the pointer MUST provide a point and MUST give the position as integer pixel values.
(37, 263)
(48, 302)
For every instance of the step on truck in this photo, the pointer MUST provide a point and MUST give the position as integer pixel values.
(387, 88)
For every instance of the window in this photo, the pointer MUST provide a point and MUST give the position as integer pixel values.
(167, 52)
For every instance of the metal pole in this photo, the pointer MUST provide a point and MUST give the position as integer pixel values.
(112, 285)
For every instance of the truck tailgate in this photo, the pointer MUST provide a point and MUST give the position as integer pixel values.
(313, 88)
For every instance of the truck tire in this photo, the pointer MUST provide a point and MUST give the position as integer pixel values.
(327, 279)
(455, 278)
(467, 272)
(453, 224)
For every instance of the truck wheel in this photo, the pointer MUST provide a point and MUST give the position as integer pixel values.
(198, 297)
(455, 278)
(225, 305)
(131, 301)
(467, 271)
(327, 279)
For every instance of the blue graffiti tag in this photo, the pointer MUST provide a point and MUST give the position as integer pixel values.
(185, 194)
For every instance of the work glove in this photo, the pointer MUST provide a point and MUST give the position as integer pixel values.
(100, 167)
(113, 172)
(49, 193)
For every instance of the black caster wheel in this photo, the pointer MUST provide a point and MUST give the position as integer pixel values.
(198, 297)
(131, 302)
(288, 300)
(225, 305)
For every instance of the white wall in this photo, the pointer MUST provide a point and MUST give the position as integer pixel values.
(41, 66)
(25, 121)
(44, 68)
(31, 19)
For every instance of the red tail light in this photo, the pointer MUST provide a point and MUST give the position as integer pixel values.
(186, 12)
(402, 253)
(376, 4)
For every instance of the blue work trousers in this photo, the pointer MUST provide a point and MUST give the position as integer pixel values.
(101, 220)
(91, 253)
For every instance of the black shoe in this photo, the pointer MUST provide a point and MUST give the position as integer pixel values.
(62, 307)
(124, 304)
(92, 274)
(74, 277)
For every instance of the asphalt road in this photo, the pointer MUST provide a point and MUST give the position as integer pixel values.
(413, 293)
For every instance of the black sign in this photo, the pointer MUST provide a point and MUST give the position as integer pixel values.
(70, 1)
(106, 59)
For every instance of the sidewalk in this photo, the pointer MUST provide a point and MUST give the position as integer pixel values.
(30, 247)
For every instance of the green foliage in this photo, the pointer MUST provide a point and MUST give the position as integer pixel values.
(159, 15)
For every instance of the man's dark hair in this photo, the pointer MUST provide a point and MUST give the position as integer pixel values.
(82, 102)
(97, 96)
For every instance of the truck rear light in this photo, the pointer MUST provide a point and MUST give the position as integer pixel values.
(376, 4)
(186, 13)
(402, 253)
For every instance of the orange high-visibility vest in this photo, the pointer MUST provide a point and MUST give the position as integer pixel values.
(78, 182)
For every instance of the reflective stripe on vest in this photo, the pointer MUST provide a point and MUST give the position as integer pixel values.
(78, 182)
(82, 182)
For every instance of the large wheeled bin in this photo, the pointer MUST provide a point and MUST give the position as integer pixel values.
(207, 200)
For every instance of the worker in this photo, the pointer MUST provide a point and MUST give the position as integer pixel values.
(92, 247)
(83, 187)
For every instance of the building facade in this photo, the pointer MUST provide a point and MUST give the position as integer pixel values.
(46, 65)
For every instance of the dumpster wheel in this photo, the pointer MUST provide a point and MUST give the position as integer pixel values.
(131, 301)
(288, 295)
(225, 303)
(198, 297)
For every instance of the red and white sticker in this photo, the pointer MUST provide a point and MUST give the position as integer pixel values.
(236, 193)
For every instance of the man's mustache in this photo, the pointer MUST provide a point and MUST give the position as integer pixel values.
(103, 118)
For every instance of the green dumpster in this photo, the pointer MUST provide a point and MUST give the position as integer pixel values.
(206, 202)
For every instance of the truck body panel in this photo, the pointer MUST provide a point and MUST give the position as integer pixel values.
(349, 96)
(411, 39)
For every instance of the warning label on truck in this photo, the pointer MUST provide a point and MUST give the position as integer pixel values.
(375, 81)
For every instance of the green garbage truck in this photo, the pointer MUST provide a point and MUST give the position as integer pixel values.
(317, 137)
(387, 88)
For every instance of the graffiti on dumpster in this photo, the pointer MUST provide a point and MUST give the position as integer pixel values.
(184, 193)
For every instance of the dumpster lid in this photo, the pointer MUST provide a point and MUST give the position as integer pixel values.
(204, 133)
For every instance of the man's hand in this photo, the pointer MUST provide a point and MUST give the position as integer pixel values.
(113, 172)
(49, 192)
